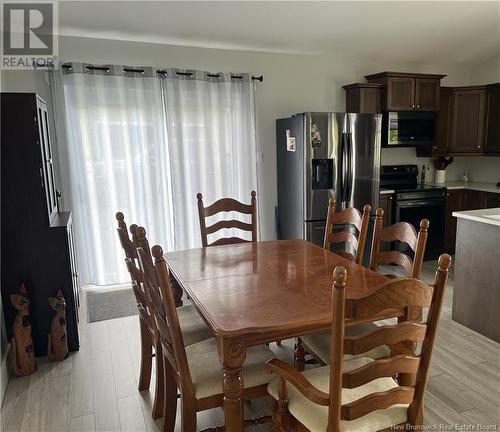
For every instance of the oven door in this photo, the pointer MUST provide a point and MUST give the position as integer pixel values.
(413, 211)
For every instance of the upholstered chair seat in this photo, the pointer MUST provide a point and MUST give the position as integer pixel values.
(206, 371)
(315, 417)
(193, 328)
(319, 344)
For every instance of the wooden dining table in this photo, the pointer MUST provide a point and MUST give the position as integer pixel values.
(255, 293)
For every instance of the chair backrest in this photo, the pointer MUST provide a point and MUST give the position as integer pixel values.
(161, 296)
(402, 232)
(131, 261)
(227, 205)
(398, 293)
(349, 217)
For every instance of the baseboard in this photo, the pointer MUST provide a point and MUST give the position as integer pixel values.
(4, 377)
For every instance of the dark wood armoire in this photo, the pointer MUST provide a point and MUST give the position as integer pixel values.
(37, 239)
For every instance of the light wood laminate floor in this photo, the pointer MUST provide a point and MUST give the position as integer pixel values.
(95, 389)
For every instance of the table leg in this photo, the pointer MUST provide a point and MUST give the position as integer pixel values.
(177, 291)
(232, 356)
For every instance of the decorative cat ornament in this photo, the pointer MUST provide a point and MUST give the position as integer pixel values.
(57, 349)
(23, 356)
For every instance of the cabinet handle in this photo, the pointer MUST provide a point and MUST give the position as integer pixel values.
(478, 146)
(418, 106)
(434, 147)
(413, 106)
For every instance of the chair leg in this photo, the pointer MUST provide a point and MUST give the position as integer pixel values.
(299, 356)
(170, 400)
(160, 385)
(281, 415)
(188, 421)
(146, 357)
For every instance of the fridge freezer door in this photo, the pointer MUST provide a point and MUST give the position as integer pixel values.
(320, 165)
(363, 161)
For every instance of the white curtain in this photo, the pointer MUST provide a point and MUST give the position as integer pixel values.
(146, 146)
(118, 161)
(212, 144)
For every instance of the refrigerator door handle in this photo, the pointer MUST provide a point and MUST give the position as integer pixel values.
(343, 169)
(350, 180)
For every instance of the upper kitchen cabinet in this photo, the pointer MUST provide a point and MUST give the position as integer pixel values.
(468, 120)
(363, 98)
(492, 143)
(408, 91)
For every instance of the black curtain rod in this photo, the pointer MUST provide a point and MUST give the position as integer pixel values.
(68, 66)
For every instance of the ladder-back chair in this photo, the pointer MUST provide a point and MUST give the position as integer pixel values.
(195, 370)
(194, 328)
(365, 394)
(400, 232)
(349, 217)
(227, 205)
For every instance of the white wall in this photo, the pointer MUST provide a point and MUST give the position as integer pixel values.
(487, 72)
(292, 83)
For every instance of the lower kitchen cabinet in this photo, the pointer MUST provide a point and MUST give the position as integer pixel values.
(465, 199)
(455, 202)
(492, 200)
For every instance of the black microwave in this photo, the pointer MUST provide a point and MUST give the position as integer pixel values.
(408, 128)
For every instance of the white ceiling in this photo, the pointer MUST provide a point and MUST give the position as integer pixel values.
(412, 31)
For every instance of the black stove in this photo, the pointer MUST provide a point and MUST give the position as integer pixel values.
(403, 178)
(415, 201)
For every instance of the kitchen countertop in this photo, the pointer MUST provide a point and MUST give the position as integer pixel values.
(488, 216)
(478, 186)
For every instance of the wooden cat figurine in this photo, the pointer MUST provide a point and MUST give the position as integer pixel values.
(57, 349)
(23, 356)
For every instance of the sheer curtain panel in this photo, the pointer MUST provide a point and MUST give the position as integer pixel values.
(212, 146)
(118, 161)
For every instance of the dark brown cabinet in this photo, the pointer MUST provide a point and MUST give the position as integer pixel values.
(492, 200)
(364, 98)
(37, 240)
(492, 144)
(455, 202)
(465, 199)
(468, 120)
(408, 91)
(427, 94)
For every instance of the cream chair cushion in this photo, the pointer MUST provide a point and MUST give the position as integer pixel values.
(193, 328)
(315, 417)
(206, 371)
(319, 344)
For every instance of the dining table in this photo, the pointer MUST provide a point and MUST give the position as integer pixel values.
(259, 292)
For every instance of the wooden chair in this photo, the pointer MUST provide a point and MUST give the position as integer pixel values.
(349, 217)
(362, 394)
(194, 328)
(402, 232)
(227, 205)
(195, 370)
(318, 345)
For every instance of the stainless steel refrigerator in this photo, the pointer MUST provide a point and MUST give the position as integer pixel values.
(323, 155)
